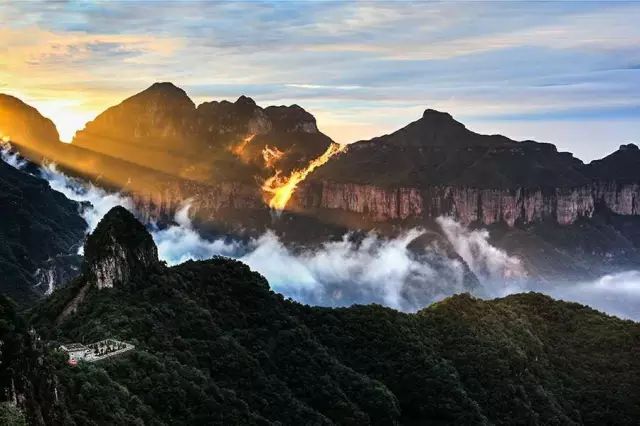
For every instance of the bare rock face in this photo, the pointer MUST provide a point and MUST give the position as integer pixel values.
(471, 205)
(119, 248)
(207, 201)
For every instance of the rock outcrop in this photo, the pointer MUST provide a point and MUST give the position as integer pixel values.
(119, 247)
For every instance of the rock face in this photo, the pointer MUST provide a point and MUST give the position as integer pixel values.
(119, 248)
(468, 205)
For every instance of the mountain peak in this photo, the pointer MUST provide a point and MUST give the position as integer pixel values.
(119, 247)
(292, 118)
(629, 147)
(245, 100)
(164, 86)
(438, 118)
(166, 91)
(435, 113)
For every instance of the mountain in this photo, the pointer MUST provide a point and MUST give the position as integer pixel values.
(161, 128)
(435, 166)
(620, 166)
(19, 121)
(438, 150)
(40, 233)
(563, 218)
(213, 345)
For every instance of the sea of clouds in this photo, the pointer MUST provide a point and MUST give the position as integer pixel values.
(373, 269)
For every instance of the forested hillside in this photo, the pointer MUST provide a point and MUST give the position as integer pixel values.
(37, 224)
(215, 346)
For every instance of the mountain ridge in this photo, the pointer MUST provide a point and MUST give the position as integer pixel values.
(432, 167)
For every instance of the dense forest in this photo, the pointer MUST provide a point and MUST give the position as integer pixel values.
(37, 225)
(214, 345)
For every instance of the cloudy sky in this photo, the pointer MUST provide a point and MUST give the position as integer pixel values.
(567, 73)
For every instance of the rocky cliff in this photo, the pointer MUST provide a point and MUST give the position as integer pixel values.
(435, 166)
(472, 205)
(119, 248)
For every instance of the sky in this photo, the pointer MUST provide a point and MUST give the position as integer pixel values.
(561, 72)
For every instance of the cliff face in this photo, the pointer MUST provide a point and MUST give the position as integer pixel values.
(209, 202)
(118, 249)
(435, 166)
(471, 205)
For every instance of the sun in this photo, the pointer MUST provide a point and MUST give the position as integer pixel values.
(68, 115)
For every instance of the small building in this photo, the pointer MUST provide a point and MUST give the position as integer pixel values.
(76, 352)
(95, 351)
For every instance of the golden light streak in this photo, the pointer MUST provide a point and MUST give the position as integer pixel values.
(238, 149)
(281, 189)
(69, 115)
(271, 156)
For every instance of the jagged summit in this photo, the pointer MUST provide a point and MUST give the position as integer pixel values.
(245, 100)
(438, 150)
(629, 147)
(292, 118)
(119, 247)
(162, 129)
(163, 95)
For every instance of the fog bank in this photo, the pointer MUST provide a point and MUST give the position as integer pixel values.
(373, 269)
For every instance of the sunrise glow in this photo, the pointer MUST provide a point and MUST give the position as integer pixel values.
(67, 115)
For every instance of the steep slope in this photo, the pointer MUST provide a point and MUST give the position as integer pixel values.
(39, 227)
(214, 345)
(28, 384)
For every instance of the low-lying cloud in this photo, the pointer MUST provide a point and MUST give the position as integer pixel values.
(10, 157)
(96, 201)
(369, 269)
(486, 261)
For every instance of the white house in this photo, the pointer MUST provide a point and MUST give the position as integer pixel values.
(76, 351)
